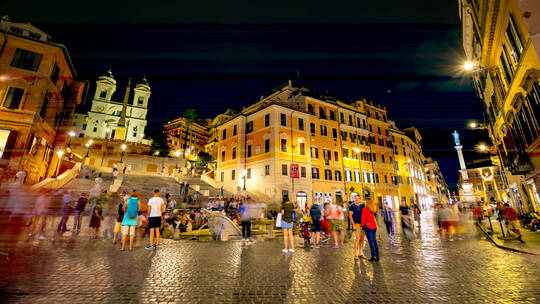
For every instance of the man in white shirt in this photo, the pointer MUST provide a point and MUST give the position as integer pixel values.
(156, 206)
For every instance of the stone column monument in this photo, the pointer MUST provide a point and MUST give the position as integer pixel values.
(466, 193)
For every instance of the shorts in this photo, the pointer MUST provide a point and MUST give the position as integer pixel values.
(285, 225)
(336, 225)
(445, 224)
(358, 230)
(130, 229)
(317, 226)
(117, 227)
(154, 222)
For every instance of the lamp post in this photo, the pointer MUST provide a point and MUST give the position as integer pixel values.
(88, 144)
(244, 173)
(60, 154)
(71, 135)
(177, 154)
(123, 151)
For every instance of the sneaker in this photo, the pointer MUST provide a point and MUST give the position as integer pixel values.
(335, 246)
(291, 250)
(149, 247)
(155, 246)
(284, 251)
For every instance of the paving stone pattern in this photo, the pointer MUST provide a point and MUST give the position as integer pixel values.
(424, 270)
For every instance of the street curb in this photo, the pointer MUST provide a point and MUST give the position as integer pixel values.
(502, 246)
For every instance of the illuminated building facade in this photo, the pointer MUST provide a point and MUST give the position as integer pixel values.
(186, 138)
(38, 95)
(502, 44)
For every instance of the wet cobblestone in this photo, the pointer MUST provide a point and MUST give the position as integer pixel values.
(425, 270)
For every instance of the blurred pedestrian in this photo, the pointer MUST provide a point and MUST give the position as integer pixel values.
(336, 225)
(119, 219)
(406, 221)
(67, 208)
(95, 220)
(40, 214)
(513, 221)
(369, 224)
(316, 215)
(245, 219)
(79, 209)
(388, 218)
(417, 212)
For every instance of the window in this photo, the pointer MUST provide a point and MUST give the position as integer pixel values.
(374, 157)
(224, 134)
(283, 120)
(357, 176)
(358, 125)
(266, 170)
(327, 174)
(249, 127)
(336, 156)
(284, 170)
(322, 113)
(234, 129)
(55, 73)
(324, 131)
(13, 98)
(382, 158)
(266, 145)
(84, 126)
(266, 120)
(506, 67)
(302, 149)
(342, 118)
(350, 120)
(345, 152)
(327, 157)
(513, 40)
(140, 100)
(334, 133)
(312, 128)
(376, 178)
(386, 179)
(310, 109)
(283, 145)
(222, 176)
(95, 129)
(348, 175)
(314, 152)
(44, 105)
(332, 115)
(234, 153)
(302, 171)
(249, 173)
(315, 173)
(249, 151)
(337, 175)
(344, 135)
(257, 149)
(370, 128)
(233, 175)
(300, 124)
(27, 60)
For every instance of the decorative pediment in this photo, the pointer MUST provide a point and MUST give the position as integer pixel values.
(517, 101)
(530, 76)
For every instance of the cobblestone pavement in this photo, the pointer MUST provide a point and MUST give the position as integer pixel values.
(424, 270)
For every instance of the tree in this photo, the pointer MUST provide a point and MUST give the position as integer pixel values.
(159, 142)
(204, 158)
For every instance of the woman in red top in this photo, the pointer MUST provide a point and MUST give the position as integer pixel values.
(370, 227)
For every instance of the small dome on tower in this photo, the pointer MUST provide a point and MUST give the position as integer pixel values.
(108, 76)
(143, 84)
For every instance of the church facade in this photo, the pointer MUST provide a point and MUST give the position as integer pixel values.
(102, 121)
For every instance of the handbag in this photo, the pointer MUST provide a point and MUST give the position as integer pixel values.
(278, 220)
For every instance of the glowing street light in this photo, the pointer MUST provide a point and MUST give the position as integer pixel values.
(473, 125)
(88, 144)
(60, 154)
(71, 135)
(177, 154)
(469, 65)
(123, 147)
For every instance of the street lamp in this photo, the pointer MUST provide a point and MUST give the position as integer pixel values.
(123, 146)
(469, 65)
(177, 154)
(60, 154)
(88, 144)
(71, 135)
(244, 173)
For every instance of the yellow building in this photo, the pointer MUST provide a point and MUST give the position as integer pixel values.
(486, 180)
(501, 43)
(309, 147)
(186, 139)
(38, 95)
(436, 186)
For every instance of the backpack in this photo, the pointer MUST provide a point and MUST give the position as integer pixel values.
(134, 210)
(315, 212)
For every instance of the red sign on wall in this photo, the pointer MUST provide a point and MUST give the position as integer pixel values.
(294, 171)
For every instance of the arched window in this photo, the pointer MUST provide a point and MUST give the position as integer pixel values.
(322, 113)
(332, 115)
(103, 94)
(140, 100)
(310, 109)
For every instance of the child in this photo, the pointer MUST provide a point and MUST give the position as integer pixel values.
(95, 220)
(142, 223)
(305, 225)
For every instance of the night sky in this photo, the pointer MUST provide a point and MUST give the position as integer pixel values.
(211, 57)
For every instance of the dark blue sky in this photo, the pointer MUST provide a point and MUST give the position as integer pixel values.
(402, 54)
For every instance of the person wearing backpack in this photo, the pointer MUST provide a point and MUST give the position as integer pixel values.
(129, 223)
(316, 214)
(79, 209)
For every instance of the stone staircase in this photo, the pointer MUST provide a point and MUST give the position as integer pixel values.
(82, 184)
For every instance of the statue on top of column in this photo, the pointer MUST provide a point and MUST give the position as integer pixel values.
(456, 137)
